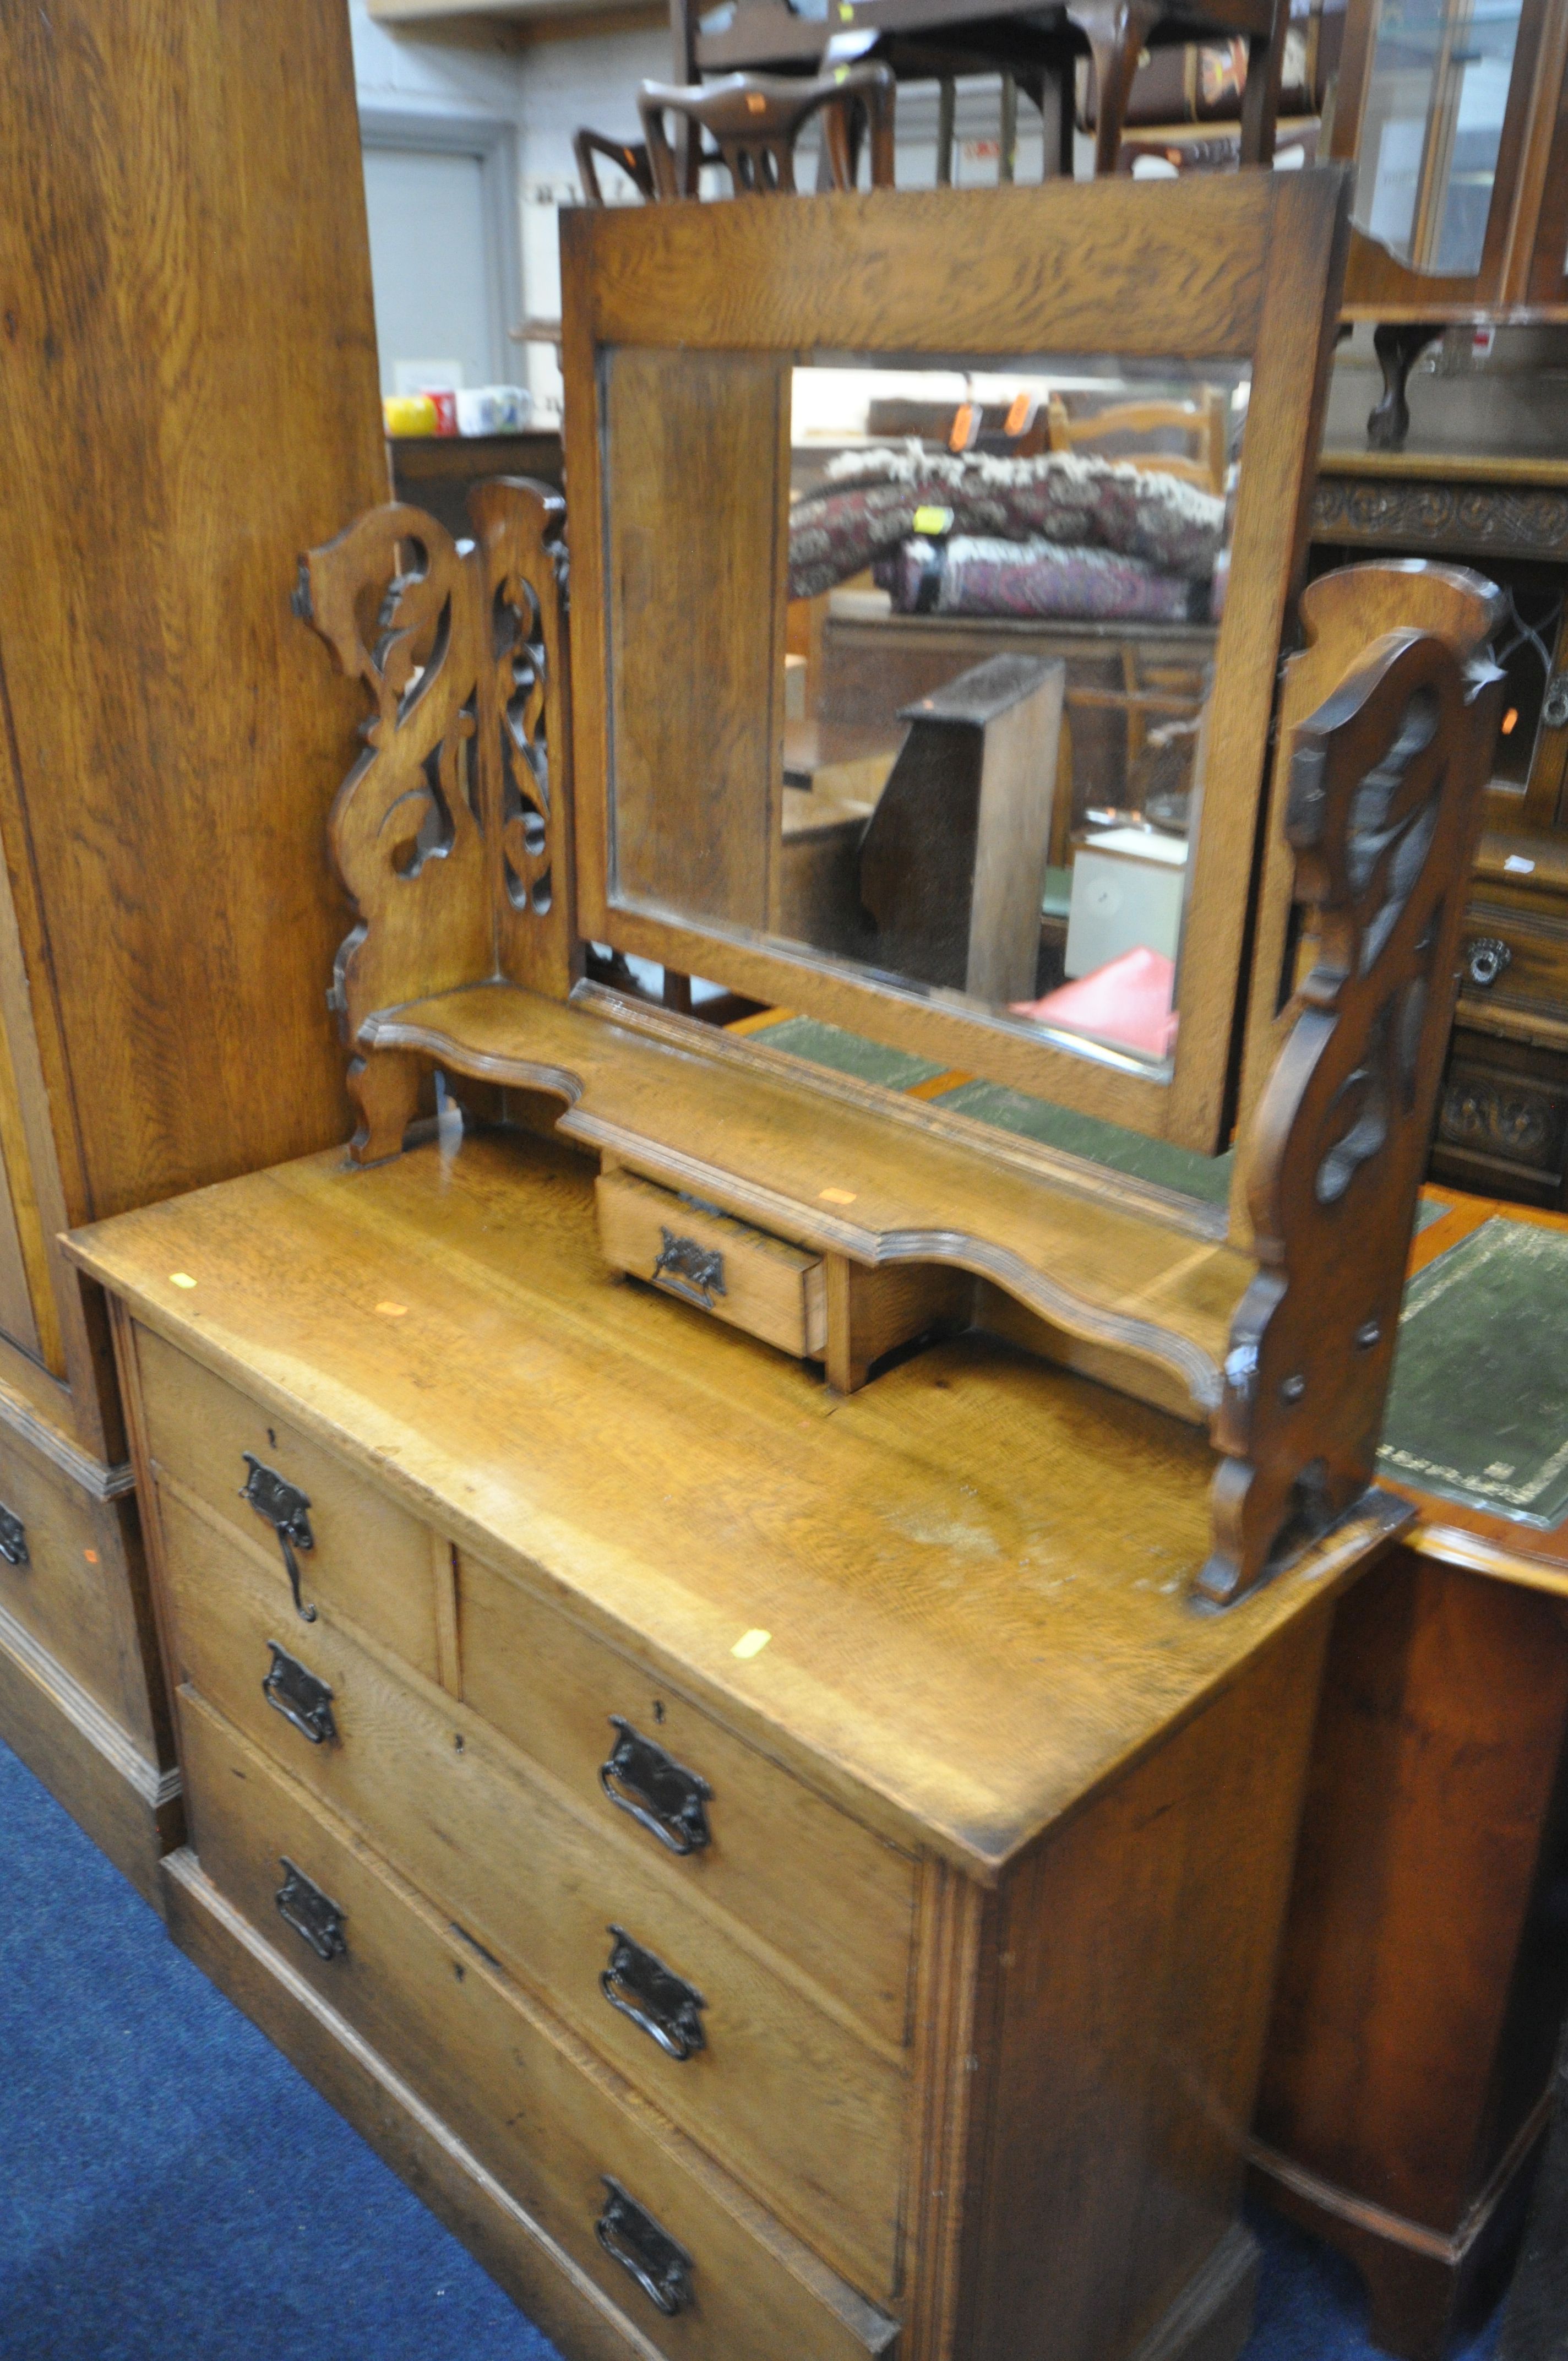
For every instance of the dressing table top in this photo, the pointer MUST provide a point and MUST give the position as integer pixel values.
(975, 1574)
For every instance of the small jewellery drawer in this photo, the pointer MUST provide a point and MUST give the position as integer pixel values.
(803, 2107)
(333, 1538)
(743, 1276)
(803, 1875)
(692, 2264)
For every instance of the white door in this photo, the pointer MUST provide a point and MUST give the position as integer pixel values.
(434, 265)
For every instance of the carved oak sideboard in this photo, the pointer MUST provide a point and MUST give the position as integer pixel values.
(1502, 1126)
(745, 1646)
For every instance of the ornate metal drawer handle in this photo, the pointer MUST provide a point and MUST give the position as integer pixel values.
(298, 1696)
(684, 1267)
(13, 1539)
(1554, 705)
(660, 1796)
(652, 1997)
(285, 1507)
(1485, 960)
(633, 2239)
(312, 1915)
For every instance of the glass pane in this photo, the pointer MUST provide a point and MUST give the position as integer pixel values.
(1002, 601)
(1432, 127)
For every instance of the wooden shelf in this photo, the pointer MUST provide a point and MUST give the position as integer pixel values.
(532, 19)
(830, 1163)
(1447, 466)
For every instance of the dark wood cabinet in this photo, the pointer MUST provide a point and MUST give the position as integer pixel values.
(1502, 1126)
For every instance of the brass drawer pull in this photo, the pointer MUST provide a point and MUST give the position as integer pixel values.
(652, 1997)
(685, 1267)
(13, 1539)
(660, 1796)
(1484, 958)
(285, 1507)
(298, 1696)
(314, 1916)
(633, 2239)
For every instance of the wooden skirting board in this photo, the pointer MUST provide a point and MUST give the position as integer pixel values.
(130, 1808)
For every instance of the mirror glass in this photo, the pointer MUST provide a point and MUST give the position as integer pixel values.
(1432, 127)
(993, 623)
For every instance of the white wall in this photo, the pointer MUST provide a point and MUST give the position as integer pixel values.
(551, 88)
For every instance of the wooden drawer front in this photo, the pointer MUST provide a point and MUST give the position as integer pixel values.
(800, 1873)
(74, 1592)
(743, 1276)
(1534, 973)
(535, 2106)
(368, 1558)
(794, 2099)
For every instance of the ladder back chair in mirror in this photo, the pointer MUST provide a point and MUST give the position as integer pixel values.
(755, 123)
(779, 1759)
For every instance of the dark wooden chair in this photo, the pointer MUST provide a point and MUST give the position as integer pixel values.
(754, 121)
(630, 157)
(1033, 48)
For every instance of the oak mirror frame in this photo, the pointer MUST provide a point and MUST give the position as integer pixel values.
(683, 324)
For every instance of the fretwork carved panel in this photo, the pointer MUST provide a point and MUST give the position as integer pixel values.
(451, 833)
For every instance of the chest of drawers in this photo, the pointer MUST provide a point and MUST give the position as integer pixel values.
(785, 1875)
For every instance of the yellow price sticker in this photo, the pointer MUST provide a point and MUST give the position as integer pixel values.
(932, 521)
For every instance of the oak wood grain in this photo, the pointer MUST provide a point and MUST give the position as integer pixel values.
(461, 2029)
(370, 1559)
(807, 2114)
(882, 1188)
(170, 309)
(811, 1882)
(941, 1529)
(771, 1289)
(700, 298)
(128, 1801)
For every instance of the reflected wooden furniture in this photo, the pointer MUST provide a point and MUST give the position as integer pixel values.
(951, 865)
(1033, 48)
(437, 472)
(1503, 1116)
(1512, 265)
(753, 121)
(1423, 1976)
(1204, 421)
(166, 764)
(630, 157)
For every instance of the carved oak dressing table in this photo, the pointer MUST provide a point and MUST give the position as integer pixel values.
(767, 1786)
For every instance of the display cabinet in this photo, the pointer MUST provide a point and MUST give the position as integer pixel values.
(1503, 1116)
(1455, 117)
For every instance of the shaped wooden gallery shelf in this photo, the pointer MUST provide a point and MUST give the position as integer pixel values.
(1277, 1331)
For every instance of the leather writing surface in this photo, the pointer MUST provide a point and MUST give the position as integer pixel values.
(1478, 1409)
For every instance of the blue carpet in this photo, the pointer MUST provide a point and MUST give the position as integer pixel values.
(172, 2190)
